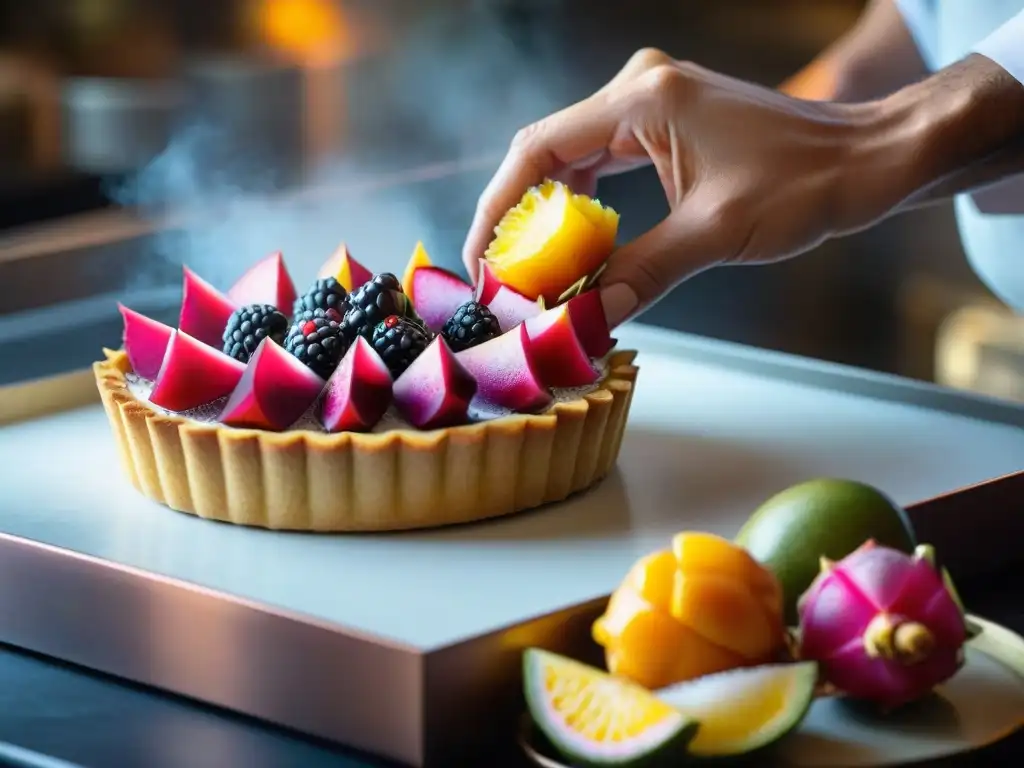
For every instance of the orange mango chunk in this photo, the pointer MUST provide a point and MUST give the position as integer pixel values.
(698, 552)
(550, 240)
(419, 258)
(727, 613)
(653, 649)
(652, 577)
(702, 606)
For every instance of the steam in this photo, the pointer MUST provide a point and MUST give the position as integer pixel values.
(452, 91)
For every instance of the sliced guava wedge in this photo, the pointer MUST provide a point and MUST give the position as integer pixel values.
(743, 710)
(594, 719)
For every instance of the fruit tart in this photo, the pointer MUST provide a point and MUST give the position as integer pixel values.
(373, 403)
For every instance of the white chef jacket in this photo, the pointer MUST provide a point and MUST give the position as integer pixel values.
(991, 221)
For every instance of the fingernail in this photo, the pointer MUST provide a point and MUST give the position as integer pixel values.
(619, 302)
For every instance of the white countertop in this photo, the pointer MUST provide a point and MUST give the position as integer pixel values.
(705, 445)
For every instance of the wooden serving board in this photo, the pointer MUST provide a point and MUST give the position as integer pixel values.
(982, 704)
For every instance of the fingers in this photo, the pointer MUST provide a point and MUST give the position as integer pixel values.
(576, 134)
(639, 62)
(647, 268)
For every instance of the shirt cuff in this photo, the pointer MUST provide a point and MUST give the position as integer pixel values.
(1005, 46)
(919, 18)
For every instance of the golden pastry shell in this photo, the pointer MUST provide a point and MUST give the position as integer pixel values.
(382, 481)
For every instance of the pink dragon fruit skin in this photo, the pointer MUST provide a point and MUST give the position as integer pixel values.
(883, 625)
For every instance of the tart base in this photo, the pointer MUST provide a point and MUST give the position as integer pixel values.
(402, 479)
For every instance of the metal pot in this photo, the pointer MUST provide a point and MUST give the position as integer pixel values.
(117, 125)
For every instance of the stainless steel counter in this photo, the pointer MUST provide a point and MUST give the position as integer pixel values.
(351, 638)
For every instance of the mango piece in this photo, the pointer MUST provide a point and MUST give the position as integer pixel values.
(649, 647)
(703, 606)
(551, 240)
(652, 577)
(727, 613)
(419, 258)
(698, 552)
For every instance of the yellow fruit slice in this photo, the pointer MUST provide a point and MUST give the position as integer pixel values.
(346, 270)
(419, 258)
(550, 240)
(744, 709)
(595, 719)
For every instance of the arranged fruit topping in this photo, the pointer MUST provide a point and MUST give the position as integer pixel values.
(594, 719)
(512, 308)
(556, 350)
(346, 270)
(435, 391)
(706, 606)
(588, 320)
(248, 326)
(418, 260)
(358, 392)
(505, 374)
(275, 390)
(883, 625)
(744, 709)
(193, 374)
(205, 311)
(826, 517)
(145, 342)
(373, 301)
(328, 295)
(551, 239)
(317, 342)
(399, 341)
(439, 293)
(268, 282)
(471, 324)
(453, 352)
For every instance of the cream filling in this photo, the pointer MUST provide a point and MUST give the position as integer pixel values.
(210, 412)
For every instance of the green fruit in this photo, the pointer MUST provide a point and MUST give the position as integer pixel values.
(596, 720)
(830, 518)
(744, 709)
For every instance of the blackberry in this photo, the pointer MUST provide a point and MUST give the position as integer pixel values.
(472, 324)
(311, 314)
(399, 341)
(248, 326)
(317, 343)
(372, 302)
(327, 295)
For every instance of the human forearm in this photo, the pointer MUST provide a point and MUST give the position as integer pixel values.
(959, 129)
(995, 168)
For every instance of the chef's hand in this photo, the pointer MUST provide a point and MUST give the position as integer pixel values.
(751, 175)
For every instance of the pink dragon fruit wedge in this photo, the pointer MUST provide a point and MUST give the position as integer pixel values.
(884, 626)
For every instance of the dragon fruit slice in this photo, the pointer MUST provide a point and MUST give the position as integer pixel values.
(883, 625)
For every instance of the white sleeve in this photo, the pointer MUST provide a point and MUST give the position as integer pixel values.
(920, 18)
(1005, 46)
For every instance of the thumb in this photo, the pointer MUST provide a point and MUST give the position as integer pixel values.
(644, 270)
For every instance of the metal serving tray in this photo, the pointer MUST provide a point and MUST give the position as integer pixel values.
(408, 645)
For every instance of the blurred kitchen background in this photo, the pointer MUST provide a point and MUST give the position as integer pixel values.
(136, 135)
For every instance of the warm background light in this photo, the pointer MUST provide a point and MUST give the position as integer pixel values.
(306, 30)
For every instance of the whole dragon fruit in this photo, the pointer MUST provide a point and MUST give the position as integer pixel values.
(884, 626)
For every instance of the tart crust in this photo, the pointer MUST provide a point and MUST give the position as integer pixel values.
(396, 480)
